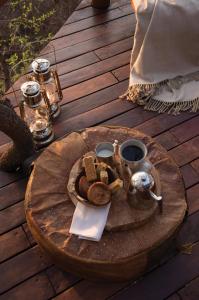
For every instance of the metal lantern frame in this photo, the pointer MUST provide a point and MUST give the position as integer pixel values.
(50, 49)
(48, 77)
(39, 123)
(19, 98)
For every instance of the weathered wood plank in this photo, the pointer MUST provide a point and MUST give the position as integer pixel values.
(8, 178)
(35, 288)
(195, 165)
(189, 175)
(164, 281)
(21, 267)
(189, 233)
(94, 70)
(88, 87)
(84, 13)
(127, 8)
(77, 63)
(12, 193)
(167, 140)
(91, 118)
(115, 48)
(193, 199)
(12, 243)
(11, 217)
(83, 4)
(186, 152)
(90, 11)
(187, 130)
(122, 73)
(86, 290)
(132, 117)
(190, 291)
(60, 279)
(91, 33)
(92, 44)
(92, 101)
(163, 122)
(174, 297)
(104, 17)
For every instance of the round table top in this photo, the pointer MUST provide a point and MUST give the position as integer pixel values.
(49, 209)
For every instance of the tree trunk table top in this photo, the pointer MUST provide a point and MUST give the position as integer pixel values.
(120, 255)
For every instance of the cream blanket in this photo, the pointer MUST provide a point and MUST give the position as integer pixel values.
(164, 72)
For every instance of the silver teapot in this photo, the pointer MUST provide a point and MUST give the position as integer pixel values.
(144, 182)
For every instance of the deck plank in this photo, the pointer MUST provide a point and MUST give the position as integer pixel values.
(193, 199)
(189, 175)
(12, 193)
(88, 87)
(11, 217)
(195, 165)
(165, 280)
(89, 11)
(186, 152)
(61, 280)
(35, 288)
(21, 267)
(189, 233)
(86, 290)
(12, 243)
(90, 33)
(174, 297)
(94, 70)
(99, 19)
(114, 48)
(187, 130)
(190, 291)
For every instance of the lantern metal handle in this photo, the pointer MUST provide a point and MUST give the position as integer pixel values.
(46, 100)
(58, 85)
(22, 109)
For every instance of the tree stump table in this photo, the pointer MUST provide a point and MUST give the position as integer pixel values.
(121, 254)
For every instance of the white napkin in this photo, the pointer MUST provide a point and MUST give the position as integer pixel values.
(89, 222)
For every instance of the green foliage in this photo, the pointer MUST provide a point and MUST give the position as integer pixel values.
(25, 36)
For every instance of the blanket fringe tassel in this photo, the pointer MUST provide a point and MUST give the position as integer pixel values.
(143, 95)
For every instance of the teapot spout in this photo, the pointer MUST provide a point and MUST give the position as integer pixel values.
(154, 196)
(158, 199)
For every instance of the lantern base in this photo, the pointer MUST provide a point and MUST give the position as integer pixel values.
(55, 110)
(43, 138)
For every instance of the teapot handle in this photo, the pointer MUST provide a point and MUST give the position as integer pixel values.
(147, 166)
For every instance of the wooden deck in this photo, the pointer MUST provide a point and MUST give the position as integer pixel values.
(93, 51)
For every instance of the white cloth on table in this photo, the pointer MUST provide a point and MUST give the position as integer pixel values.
(88, 222)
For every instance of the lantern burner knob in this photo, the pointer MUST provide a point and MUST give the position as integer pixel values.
(30, 88)
(40, 65)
